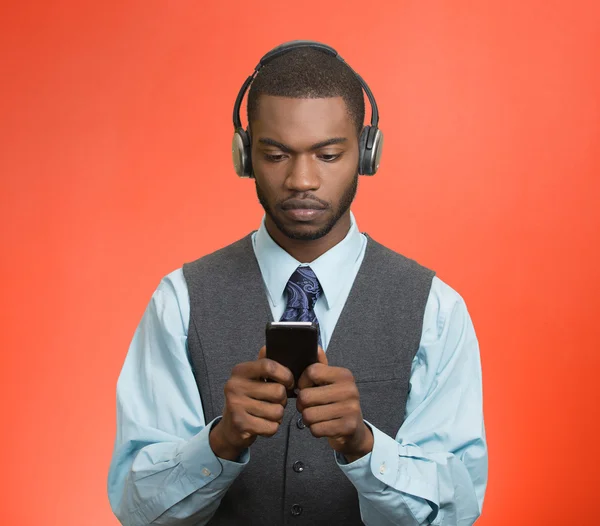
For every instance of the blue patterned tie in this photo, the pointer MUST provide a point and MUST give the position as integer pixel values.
(303, 290)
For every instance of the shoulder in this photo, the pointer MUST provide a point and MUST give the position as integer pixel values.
(396, 268)
(444, 303)
(170, 300)
(172, 286)
(445, 308)
(225, 254)
(388, 254)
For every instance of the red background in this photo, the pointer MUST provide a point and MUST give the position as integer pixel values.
(115, 169)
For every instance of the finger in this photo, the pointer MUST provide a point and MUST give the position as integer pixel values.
(273, 370)
(330, 429)
(267, 392)
(323, 413)
(326, 394)
(319, 374)
(258, 426)
(266, 410)
(322, 357)
(306, 378)
(265, 368)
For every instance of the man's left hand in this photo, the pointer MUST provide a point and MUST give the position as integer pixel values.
(329, 402)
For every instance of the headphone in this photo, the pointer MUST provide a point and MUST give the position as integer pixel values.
(371, 138)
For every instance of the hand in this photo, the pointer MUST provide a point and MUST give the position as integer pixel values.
(329, 402)
(253, 407)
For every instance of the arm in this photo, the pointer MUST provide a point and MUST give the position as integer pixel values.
(435, 470)
(163, 470)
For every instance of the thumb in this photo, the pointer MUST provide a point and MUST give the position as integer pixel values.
(322, 357)
(263, 352)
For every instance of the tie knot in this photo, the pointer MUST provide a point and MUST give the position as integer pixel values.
(303, 289)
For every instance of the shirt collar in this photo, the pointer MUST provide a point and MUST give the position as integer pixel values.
(332, 268)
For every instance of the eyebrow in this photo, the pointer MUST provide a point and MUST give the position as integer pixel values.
(316, 146)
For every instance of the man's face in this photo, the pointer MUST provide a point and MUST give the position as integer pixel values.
(305, 160)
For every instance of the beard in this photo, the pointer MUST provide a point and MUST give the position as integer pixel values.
(342, 207)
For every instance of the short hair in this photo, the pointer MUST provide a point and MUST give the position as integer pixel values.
(307, 73)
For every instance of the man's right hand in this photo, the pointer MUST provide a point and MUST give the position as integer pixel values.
(253, 407)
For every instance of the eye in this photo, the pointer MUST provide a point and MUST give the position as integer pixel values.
(274, 158)
(329, 157)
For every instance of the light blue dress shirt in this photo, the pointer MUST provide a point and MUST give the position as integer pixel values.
(434, 471)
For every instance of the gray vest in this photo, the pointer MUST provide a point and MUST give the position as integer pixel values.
(292, 477)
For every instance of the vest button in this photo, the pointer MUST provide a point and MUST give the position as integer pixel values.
(296, 510)
(298, 466)
(300, 423)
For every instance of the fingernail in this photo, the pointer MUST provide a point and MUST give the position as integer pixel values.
(296, 391)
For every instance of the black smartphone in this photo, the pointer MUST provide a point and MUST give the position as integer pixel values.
(294, 344)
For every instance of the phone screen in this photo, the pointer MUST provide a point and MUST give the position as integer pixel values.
(293, 344)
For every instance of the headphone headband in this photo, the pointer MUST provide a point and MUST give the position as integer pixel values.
(286, 48)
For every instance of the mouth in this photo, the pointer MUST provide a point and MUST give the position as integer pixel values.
(304, 214)
(302, 210)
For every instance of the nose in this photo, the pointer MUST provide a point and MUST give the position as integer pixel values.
(303, 174)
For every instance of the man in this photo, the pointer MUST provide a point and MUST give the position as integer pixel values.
(386, 429)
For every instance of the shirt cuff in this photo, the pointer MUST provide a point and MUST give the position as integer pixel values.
(202, 465)
(389, 465)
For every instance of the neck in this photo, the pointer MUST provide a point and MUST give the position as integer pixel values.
(306, 251)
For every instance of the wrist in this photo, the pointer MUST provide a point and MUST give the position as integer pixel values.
(364, 446)
(222, 447)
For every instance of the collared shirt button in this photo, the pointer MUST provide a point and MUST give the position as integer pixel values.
(300, 423)
(206, 472)
(296, 510)
(298, 466)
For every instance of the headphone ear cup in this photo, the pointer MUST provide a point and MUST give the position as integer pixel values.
(363, 154)
(370, 147)
(240, 151)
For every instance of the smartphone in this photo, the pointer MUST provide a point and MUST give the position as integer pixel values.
(294, 344)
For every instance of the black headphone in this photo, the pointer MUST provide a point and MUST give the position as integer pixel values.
(371, 139)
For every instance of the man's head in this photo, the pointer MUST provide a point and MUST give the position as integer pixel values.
(305, 112)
